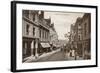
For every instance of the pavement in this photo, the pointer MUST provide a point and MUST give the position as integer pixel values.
(56, 55)
(36, 59)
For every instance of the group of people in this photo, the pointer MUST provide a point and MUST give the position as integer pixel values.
(68, 52)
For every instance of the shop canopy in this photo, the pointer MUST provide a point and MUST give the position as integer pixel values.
(45, 45)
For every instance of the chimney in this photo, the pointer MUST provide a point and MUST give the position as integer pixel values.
(41, 14)
(52, 25)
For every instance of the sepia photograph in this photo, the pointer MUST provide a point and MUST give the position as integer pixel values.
(55, 36)
(48, 36)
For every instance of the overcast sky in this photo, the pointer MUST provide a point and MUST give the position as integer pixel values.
(62, 21)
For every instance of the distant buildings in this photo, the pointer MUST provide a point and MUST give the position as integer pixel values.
(37, 33)
(44, 36)
(53, 36)
(80, 36)
(72, 35)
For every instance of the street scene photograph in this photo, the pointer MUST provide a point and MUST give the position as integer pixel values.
(55, 36)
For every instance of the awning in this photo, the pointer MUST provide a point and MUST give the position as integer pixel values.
(45, 45)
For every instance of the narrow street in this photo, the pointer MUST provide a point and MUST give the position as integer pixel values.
(43, 42)
(58, 56)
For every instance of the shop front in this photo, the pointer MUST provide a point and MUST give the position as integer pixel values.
(30, 46)
(79, 49)
(87, 49)
(44, 47)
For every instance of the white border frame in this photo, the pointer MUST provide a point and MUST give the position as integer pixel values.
(38, 65)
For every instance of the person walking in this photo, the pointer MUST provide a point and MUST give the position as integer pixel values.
(75, 53)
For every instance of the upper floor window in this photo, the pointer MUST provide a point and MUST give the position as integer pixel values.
(79, 37)
(40, 33)
(27, 29)
(26, 13)
(33, 31)
(85, 30)
(33, 16)
(79, 26)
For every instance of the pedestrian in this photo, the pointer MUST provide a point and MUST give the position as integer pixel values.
(75, 53)
(61, 48)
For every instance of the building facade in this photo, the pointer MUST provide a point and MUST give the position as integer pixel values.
(71, 41)
(30, 33)
(44, 35)
(86, 26)
(53, 36)
(35, 33)
(80, 36)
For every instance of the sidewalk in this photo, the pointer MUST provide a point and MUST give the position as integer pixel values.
(73, 58)
(34, 59)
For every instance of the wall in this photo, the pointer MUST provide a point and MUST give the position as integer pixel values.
(5, 36)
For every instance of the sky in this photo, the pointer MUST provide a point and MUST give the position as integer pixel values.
(62, 21)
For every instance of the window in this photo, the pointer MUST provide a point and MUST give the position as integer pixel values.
(79, 37)
(79, 26)
(26, 13)
(27, 29)
(25, 48)
(85, 30)
(45, 34)
(33, 16)
(40, 33)
(33, 31)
